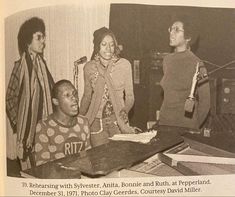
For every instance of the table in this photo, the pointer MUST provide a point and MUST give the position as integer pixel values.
(162, 164)
(104, 159)
(129, 159)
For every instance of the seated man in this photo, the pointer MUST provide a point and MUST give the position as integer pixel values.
(64, 132)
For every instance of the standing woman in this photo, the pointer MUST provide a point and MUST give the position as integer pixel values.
(28, 97)
(179, 68)
(108, 92)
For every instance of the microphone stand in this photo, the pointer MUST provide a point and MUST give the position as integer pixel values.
(205, 77)
(75, 76)
(76, 71)
(190, 101)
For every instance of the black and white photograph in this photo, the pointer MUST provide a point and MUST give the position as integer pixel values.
(121, 98)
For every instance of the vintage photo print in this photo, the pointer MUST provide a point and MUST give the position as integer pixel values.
(120, 99)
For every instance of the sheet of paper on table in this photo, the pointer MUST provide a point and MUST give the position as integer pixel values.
(141, 137)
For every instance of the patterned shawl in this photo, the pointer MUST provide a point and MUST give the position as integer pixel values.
(34, 100)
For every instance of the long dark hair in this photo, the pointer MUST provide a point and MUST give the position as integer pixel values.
(99, 35)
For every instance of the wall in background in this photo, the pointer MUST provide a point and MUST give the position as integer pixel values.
(142, 29)
(69, 36)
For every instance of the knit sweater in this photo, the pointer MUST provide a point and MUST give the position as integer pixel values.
(121, 75)
(179, 68)
(54, 140)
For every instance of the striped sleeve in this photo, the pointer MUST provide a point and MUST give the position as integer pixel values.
(12, 96)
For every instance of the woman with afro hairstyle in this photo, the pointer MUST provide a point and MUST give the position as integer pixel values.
(28, 96)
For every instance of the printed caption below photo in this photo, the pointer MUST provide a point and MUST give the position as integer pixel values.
(117, 188)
